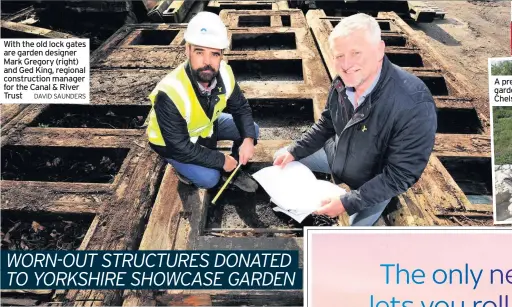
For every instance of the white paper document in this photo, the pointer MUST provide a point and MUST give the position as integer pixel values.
(295, 189)
(298, 216)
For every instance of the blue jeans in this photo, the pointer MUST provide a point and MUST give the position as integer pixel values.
(204, 177)
(317, 162)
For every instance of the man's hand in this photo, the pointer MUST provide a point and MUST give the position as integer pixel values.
(283, 159)
(230, 163)
(331, 207)
(246, 151)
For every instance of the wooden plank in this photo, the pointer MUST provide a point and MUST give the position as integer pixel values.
(167, 229)
(58, 132)
(194, 201)
(25, 117)
(276, 5)
(140, 57)
(253, 89)
(177, 11)
(465, 145)
(31, 30)
(10, 301)
(231, 17)
(280, 5)
(10, 111)
(12, 129)
(436, 200)
(162, 225)
(132, 299)
(81, 137)
(41, 198)
(122, 220)
(465, 214)
(269, 230)
(83, 246)
(197, 7)
(28, 291)
(439, 78)
(413, 210)
(421, 12)
(126, 86)
(453, 102)
(439, 187)
(14, 187)
(437, 59)
(231, 298)
(213, 4)
(89, 234)
(184, 300)
(124, 37)
(457, 83)
(440, 13)
(21, 15)
(54, 207)
(436, 192)
(402, 50)
(479, 208)
(445, 145)
(258, 55)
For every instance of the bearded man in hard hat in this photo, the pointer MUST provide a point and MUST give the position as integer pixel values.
(188, 114)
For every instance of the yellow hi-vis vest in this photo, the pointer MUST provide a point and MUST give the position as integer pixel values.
(179, 88)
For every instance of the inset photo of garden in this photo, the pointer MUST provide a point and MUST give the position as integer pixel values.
(502, 119)
(501, 67)
(500, 81)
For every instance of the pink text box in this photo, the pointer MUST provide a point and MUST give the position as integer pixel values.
(343, 267)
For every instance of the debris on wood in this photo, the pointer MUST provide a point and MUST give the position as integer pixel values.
(34, 235)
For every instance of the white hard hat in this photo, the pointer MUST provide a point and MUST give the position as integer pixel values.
(207, 30)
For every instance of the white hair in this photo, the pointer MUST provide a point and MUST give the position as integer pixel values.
(353, 23)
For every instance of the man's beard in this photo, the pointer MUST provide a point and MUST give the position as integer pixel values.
(356, 83)
(205, 74)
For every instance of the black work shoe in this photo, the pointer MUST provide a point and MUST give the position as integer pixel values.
(243, 181)
(183, 179)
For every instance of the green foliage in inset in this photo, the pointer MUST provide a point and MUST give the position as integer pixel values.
(503, 68)
(502, 135)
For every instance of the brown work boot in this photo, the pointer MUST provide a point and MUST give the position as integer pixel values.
(243, 181)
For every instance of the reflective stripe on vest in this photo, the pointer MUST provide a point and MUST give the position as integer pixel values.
(179, 88)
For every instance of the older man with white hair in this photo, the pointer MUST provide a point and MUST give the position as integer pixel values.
(377, 131)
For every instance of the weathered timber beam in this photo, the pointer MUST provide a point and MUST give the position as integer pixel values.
(82, 137)
(122, 220)
(463, 145)
(33, 31)
(54, 207)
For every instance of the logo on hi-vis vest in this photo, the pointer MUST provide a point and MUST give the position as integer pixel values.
(364, 128)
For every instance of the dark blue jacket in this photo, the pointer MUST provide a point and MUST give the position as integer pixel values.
(382, 149)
